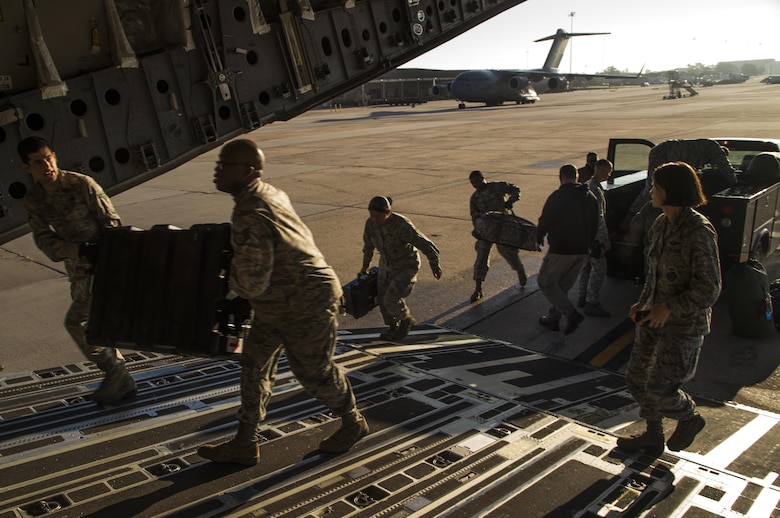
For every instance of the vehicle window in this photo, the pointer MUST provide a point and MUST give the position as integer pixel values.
(630, 157)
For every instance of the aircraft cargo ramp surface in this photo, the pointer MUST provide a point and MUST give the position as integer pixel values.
(460, 426)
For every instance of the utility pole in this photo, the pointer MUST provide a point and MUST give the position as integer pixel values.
(571, 43)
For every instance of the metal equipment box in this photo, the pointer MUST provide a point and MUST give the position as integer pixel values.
(156, 290)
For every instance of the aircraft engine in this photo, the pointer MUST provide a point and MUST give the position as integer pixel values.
(518, 83)
(557, 84)
(440, 89)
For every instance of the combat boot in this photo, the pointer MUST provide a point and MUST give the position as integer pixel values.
(651, 441)
(477, 292)
(685, 432)
(595, 310)
(403, 327)
(242, 449)
(522, 279)
(116, 386)
(390, 332)
(353, 428)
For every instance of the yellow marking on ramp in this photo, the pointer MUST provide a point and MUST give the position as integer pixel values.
(613, 349)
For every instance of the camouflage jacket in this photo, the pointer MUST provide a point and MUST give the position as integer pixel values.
(683, 271)
(275, 260)
(493, 198)
(697, 153)
(598, 192)
(74, 212)
(397, 243)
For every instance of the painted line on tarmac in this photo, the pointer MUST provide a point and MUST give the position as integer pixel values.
(612, 350)
(729, 450)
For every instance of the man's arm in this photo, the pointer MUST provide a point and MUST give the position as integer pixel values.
(253, 255)
(55, 248)
(368, 247)
(514, 194)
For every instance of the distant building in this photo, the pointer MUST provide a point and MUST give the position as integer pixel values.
(767, 66)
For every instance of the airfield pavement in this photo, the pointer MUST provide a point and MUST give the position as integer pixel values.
(332, 162)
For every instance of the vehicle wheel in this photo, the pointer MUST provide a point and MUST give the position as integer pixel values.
(462, 106)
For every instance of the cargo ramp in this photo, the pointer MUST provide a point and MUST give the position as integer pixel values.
(461, 426)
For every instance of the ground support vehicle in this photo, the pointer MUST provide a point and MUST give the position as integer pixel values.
(746, 216)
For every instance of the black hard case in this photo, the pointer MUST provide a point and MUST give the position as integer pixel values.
(505, 229)
(360, 295)
(155, 290)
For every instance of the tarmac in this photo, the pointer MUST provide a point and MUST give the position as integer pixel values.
(331, 163)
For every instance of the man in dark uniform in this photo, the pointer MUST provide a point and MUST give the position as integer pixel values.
(569, 220)
(67, 212)
(294, 294)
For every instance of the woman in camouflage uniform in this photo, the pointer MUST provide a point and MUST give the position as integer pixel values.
(674, 310)
(397, 240)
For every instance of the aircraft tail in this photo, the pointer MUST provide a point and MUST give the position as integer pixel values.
(560, 41)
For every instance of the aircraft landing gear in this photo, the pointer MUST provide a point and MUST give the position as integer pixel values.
(462, 106)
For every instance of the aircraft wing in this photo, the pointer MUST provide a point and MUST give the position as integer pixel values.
(540, 75)
(149, 85)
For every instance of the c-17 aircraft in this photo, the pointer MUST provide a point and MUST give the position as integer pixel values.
(494, 87)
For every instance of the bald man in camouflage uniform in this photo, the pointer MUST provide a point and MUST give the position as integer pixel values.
(683, 282)
(492, 197)
(67, 213)
(294, 295)
(397, 241)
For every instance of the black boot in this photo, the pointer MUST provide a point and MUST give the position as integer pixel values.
(522, 279)
(353, 428)
(685, 432)
(390, 332)
(242, 449)
(116, 386)
(477, 292)
(651, 441)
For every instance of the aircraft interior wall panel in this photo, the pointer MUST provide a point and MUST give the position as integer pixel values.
(14, 183)
(320, 38)
(259, 76)
(80, 137)
(129, 120)
(168, 105)
(68, 29)
(17, 72)
(357, 39)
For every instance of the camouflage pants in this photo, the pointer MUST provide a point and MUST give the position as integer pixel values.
(482, 264)
(308, 340)
(591, 278)
(106, 358)
(392, 288)
(660, 363)
(556, 277)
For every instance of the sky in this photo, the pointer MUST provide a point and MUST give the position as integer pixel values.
(659, 34)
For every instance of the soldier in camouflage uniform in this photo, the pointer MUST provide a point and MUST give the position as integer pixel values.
(67, 213)
(492, 197)
(585, 173)
(294, 295)
(682, 284)
(397, 240)
(595, 269)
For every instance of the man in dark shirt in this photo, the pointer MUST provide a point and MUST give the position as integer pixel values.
(569, 220)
